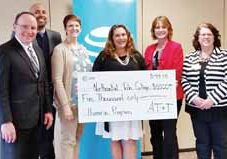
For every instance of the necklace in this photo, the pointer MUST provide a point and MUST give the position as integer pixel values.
(204, 59)
(122, 62)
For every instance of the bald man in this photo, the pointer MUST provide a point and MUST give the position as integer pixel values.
(47, 40)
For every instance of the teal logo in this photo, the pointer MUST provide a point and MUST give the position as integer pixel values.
(96, 39)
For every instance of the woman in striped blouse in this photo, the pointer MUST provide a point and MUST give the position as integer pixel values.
(204, 81)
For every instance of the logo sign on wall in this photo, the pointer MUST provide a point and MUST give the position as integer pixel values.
(97, 17)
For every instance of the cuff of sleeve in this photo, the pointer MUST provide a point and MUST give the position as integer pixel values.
(210, 96)
(192, 98)
(5, 119)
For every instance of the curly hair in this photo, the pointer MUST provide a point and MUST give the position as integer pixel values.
(165, 21)
(215, 32)
(110, 49)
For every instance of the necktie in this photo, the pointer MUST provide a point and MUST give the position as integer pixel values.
(156, 60)
(43, 42)
(41, 34)
(34, 61)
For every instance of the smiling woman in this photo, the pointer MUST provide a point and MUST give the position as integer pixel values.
(165, 55)
(205, 86)
(120, 54)
(68, 58)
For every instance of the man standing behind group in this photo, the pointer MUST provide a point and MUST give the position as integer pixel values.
(47, 40)
(24, 95)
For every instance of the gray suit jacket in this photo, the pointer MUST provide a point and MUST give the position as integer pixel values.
(54, 39)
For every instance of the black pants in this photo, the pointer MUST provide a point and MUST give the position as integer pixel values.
(25, 146)
(46, 138)
(210, 137)
(164, 138)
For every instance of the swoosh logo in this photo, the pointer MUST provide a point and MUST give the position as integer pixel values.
(100, 34)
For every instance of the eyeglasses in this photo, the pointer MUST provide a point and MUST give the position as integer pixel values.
(27, 27)
(208, 35)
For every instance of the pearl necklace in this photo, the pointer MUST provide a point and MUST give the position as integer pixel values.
(122, 62)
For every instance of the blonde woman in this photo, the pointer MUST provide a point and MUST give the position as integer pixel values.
(165, 54)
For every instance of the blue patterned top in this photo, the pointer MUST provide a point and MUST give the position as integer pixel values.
(81, 63)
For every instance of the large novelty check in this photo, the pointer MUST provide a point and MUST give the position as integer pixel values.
(127, 95)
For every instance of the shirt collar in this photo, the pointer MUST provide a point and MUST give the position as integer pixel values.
(22, 44)
(42, 32)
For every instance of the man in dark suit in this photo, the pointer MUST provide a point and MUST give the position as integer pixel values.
(47, 40)
(24, 91)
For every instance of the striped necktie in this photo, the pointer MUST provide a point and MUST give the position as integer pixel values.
(34, 61)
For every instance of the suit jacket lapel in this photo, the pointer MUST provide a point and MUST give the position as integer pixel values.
(49, 37)
(39, 55)
(23, 54)
(53, 40)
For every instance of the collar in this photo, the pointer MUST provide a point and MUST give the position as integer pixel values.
(216, 50)
(22, 44)
(42, 31)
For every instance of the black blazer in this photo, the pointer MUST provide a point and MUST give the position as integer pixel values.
(23, 98)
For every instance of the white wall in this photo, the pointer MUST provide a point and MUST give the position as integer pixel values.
(57, 9)
(9, 9)
(184, 16)
(225, 26)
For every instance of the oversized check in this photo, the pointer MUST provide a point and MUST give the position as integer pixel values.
(126, 95)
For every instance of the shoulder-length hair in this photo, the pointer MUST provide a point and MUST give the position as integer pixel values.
(215, 32)
(110, 48)
(165, 21)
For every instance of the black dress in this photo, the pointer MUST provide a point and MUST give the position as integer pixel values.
(119, 130)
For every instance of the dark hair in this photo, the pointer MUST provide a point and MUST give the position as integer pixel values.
(22, 13)
(110, 48)
(165, 21)
(71, 17)
(215, 32)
